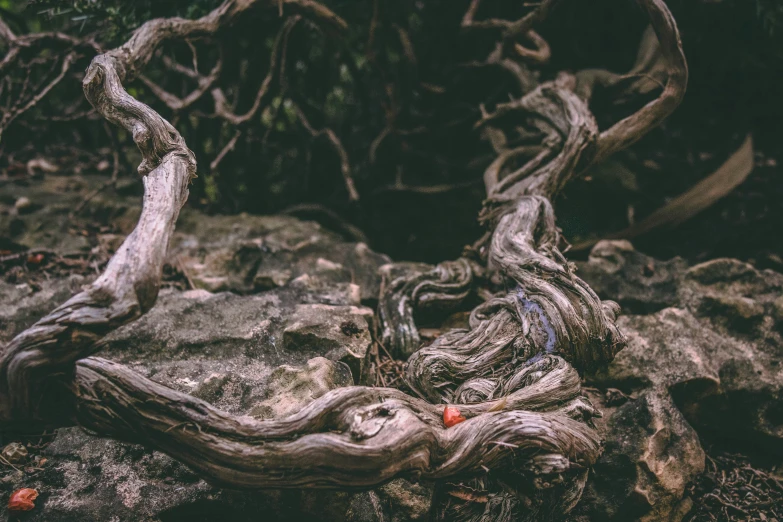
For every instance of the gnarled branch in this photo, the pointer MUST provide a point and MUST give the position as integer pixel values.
(513, 371)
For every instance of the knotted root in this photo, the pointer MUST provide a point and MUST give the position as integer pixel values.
(524, 343)
(409, 286)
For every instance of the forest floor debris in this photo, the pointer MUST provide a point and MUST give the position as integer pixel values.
(734, 488)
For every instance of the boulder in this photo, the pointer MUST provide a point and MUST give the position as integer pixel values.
(246, 254)
(651, 454)
(233, 352)
(286, 327)
(638, 282)
(703, 363)
(225, 348)
(717, 348)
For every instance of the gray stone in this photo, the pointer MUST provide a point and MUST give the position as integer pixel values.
(706, 354)
(228, 350)
(291, 329)
(719, 355)
(342, 332)
(246, 254)
(43, 221)
(651, 454)
(638, 282)
(92, 479)
(290, 388)
(242, 254)
(21, 304)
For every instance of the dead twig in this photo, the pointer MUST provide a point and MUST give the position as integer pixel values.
(345, 164)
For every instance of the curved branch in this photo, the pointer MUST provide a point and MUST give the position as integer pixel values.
(11, 115)
(337, 145)
(629, 130)
(542, 52)
(60, 47)
(356, 436)
(127, 288)
(568, 124)
(174, 102)
(548, 310)
(407, 286)
(134, 54)
(222, 107)
(647, 68)
(6, 33)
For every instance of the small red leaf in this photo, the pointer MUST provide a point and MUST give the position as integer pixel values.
(22, 500)
(35, 259)
(452, 416)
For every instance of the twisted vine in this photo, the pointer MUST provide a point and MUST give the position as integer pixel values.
(527, 441)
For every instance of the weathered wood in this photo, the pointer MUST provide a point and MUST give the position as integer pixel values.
(354, 436)
(514, 373)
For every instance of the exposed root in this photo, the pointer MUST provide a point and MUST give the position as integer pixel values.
(527, 443)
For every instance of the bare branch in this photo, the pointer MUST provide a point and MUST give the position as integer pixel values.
(11, 115)
(221, 105)
(5, 32)
(355, 436)
(629, 130)
(177, 104)
(225, 150)
(345, 163)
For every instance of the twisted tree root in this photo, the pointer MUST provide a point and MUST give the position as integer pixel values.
(527, 443)
(356, 436)
(407, 286)
(545, 308)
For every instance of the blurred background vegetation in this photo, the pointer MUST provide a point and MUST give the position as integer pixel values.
(401, 91)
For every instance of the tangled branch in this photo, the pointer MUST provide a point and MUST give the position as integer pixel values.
(27, 52)
(527, 441)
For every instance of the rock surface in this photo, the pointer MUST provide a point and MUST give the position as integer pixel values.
(242, 253)
(275, 321)
(639, 283)
(246, 254)
(717, 348)
(21, 304)
(229, 349)
(278, 315)
(45, 222)
(703, 363)
(651, 454)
